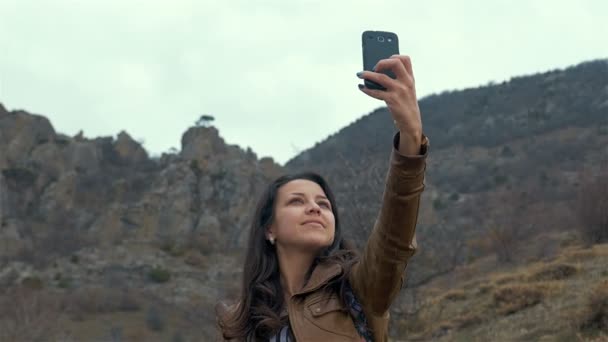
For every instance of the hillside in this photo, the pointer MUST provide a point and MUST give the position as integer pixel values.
(510, 154)
(562, 298)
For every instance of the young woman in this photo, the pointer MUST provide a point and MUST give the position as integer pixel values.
(301, 281)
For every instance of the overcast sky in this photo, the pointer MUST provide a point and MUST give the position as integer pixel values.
(277, 75)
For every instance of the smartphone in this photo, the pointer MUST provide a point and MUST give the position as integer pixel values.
(378, 45)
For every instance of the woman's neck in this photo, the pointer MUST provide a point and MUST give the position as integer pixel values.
(294, 266)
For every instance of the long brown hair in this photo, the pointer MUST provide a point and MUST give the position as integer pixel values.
(256, 316)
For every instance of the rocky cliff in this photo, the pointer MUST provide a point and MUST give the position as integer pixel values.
(108, 190)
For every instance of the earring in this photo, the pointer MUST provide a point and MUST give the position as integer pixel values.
(271, 239)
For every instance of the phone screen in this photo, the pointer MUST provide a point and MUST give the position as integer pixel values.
(378, 45)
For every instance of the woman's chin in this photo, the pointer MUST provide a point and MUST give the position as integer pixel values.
(312, 243)
(317, 244)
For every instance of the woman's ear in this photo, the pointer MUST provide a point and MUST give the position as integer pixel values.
(270, 235)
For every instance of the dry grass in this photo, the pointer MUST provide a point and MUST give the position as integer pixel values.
(511, 298)
(504, 278)
(553, 271)
(600, 338)
(459, 322)
(433, 292)
(468, 319)
(582, 253)
(594, 317)
(138, 333)
(536, 272)
(92, 301)
(578, 254)
(455, 295)
(485, 288)
(562, 299)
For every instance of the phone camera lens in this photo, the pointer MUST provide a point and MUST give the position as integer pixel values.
(380, 39)
(389, 39)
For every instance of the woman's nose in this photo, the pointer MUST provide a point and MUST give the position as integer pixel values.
(314, 208)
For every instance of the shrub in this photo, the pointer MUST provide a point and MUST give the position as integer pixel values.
(128, 301)
(485, 288)
(20, 177)
(557, 271)
(64, 283)
(92, 301)
(159, 275)
(500, 179)
(28, 315)
(32, 283)
(172, 248)
(194, 258)
(178, 337)
(455, 295)
(512, 298)
(504, 240)
(595, 315)
(593, 208)
(116, 333)
(138, 333)
(507, 151)
(89, 301)
(154, 320)
(438, 204)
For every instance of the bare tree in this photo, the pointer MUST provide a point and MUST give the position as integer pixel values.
(361, 200)
(28, 315)
(593, 205)
(439, 258)
(3, 199)
(505, 221)
(443, 244)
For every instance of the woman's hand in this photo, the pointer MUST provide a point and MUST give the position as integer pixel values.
(400, 98)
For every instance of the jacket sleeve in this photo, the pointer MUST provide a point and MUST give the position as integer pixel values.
(379, 274)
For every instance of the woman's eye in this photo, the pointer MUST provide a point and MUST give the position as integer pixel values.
(321, 204)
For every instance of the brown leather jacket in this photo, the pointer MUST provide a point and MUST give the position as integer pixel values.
(378, 277)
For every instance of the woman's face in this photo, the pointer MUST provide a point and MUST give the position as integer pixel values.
(303, 218)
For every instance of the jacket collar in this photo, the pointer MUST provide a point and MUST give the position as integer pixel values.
(320, 276)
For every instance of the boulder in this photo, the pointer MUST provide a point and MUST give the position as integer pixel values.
(202, 143)
(129, 150)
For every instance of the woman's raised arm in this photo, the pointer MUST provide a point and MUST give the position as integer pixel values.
(379, 275)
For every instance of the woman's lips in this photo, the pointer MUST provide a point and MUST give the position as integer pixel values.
(316, 223)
